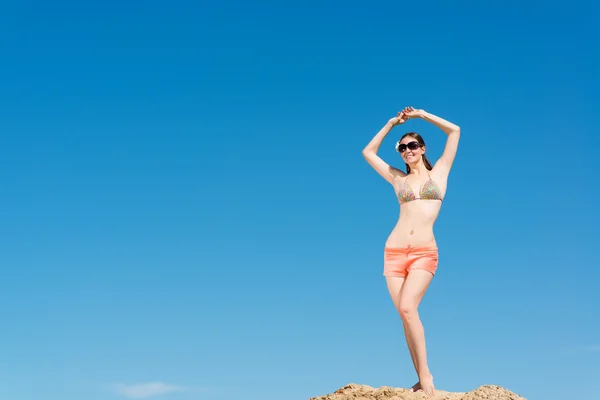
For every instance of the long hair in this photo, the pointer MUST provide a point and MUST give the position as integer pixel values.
(421, 142)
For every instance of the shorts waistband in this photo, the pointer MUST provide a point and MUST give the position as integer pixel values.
(410, 249)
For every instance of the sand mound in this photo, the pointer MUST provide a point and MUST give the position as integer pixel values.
(364, 392)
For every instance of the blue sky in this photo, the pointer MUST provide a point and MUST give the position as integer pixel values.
(186, 213)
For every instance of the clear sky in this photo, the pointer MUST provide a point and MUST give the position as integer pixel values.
(185, 209)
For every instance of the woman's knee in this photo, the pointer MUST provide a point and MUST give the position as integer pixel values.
(407, 310)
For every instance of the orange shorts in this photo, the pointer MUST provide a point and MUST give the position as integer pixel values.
(399, 261)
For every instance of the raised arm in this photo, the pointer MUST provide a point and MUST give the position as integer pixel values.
(450, 129)
(388, 172)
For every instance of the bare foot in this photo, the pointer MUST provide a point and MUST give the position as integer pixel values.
(416, 386)
(427, 385)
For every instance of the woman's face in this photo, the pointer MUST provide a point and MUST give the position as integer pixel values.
(410, 150)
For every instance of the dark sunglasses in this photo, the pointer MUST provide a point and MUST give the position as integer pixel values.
(411, 145)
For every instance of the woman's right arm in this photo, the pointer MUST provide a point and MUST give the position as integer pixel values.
(388, 172)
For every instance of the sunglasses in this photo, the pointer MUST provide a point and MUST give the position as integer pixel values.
(411, 145)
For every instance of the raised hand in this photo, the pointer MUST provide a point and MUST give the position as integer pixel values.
(398, 119)
(410, 112)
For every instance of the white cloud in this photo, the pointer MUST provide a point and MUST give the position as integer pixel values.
(143, 390)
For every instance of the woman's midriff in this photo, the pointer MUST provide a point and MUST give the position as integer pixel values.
(415, 226)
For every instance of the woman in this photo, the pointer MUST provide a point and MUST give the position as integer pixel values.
(410, 252)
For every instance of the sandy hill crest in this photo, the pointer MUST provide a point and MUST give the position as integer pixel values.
(364, 392)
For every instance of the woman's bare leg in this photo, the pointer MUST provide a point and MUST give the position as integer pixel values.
(394, 285)
(413, 289)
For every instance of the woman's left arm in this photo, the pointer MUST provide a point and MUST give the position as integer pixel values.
(450, 129)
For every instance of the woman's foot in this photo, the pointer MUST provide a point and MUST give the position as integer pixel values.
(426, 385)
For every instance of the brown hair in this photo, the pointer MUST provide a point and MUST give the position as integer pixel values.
(419, 139)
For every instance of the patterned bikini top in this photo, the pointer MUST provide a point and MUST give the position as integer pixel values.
(429, 191)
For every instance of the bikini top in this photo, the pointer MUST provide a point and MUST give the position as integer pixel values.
(429, 191)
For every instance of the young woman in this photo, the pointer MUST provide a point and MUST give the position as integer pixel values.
(410, 252)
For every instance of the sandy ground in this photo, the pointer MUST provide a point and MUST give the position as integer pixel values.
(364, 392)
